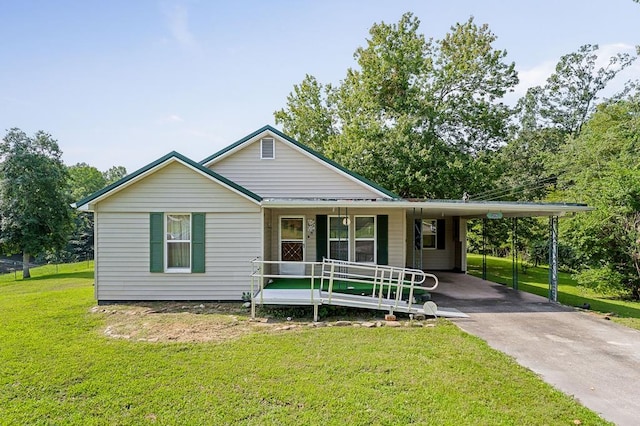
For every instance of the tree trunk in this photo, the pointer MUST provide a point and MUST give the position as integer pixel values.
(25, 265)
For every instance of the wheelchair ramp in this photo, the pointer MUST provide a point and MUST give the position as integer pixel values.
(389, 289)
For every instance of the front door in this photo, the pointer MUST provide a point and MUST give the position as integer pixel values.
(292, 245)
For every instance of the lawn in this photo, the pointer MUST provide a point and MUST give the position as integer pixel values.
(58, 367)
(536, 280)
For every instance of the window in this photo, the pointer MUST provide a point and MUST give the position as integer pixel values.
(339, 237)
(178, 242)
(365, 238)
(429, 233)
(267, 149)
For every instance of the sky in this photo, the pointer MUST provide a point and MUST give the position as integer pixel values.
(123, 82)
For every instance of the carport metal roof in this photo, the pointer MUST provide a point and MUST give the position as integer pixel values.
(465, 209)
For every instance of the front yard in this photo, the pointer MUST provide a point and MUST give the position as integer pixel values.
(65, 361)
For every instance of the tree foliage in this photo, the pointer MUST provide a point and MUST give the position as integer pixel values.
(84, 180)
(417, 116)
(34, 199)
(601, 168)
(549, 114)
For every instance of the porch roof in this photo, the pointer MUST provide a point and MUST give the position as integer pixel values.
(465, 209)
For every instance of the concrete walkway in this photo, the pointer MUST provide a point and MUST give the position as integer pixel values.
(579, 353)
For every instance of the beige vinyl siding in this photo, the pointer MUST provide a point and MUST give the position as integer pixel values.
(233, 238)
(396, 230)
(432, 259)
(291, 174)
(176, 188)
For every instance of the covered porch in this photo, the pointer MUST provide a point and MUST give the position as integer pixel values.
(428, 235)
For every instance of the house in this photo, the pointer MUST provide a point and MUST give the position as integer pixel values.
(183, 230)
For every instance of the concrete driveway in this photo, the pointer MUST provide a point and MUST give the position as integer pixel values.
(579, 353)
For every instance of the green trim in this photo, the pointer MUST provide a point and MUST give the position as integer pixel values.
(382, 236)
(156, 242)
(308, 150)
(198, 222)
(160, 161)
(321, 237)
(440, 234)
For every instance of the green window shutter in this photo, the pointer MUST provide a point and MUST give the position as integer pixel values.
(321, 237)
(156, 239)
(197, 242)
(440, 234)
(382, 235)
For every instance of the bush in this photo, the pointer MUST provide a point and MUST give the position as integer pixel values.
(603, 280)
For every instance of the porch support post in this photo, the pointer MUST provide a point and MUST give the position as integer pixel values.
(553, 258)
(484, 249)
(514, 253)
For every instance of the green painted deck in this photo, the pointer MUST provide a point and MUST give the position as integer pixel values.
(346, 287)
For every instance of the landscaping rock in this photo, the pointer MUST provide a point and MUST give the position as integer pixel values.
(342, 323)
(319, 324)
(415, 324)
(393, 324)
(369, 324)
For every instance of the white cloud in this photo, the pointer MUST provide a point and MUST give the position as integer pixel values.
(178, 23)
(170, 119)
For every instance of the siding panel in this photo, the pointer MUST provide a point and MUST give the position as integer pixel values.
(291, 174)
(232, 240)
(176, 188)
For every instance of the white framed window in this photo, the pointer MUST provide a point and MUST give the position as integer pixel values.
(339, 237)
(429, 233)
(267, 149)
(177, 242)
(365, 239)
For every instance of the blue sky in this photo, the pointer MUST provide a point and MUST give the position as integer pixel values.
(124, 82)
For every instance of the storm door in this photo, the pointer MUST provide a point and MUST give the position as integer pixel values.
(292, 244)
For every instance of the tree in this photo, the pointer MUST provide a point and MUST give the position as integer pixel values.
(601, 168)
(114, 174)
(417, 116)
(34, 199)
(84, 180)
(548, 115)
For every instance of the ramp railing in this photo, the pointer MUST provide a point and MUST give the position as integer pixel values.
(385, 285)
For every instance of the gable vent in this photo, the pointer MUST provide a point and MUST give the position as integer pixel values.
(268, 149)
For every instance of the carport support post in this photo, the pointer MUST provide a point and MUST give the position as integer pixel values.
(484, 249)
(553, 258)
(514, 252)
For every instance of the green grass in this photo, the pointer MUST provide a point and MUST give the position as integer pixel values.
(57, 367)
(536, 281)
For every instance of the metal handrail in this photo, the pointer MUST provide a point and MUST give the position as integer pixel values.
(379, 276)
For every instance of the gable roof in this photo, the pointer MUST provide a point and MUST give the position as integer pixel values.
(310, 152)
(154, 166)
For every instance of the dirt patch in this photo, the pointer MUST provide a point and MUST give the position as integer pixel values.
(210, 322)
(184, 321)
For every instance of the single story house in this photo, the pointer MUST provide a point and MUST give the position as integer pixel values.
(178, 229)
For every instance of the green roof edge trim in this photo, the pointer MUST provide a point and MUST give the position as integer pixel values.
(172, 154)
(308, 150)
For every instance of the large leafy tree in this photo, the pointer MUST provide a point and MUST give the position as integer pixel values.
(34, 199)
(602, 167)
(551, 113)
(418, 116)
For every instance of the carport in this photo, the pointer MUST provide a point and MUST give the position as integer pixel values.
(462, 211)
